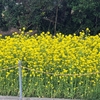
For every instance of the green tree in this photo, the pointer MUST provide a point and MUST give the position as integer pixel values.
(86, 14)
(66, 16)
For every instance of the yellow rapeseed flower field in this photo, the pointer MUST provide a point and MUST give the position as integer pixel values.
(66, 66)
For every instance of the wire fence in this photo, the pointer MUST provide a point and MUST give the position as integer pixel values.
(28, 82)
(93, 73)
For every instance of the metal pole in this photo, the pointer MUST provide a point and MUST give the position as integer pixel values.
(20, 80)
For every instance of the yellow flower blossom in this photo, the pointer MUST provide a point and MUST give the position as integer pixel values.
(56, 64)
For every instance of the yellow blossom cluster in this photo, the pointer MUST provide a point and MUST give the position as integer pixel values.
(65, 66)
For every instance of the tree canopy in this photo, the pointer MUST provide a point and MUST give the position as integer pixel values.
(66, 16)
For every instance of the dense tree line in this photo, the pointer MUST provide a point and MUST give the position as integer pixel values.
(66, 16)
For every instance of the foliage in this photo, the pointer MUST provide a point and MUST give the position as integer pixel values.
(66, 16)
(64, 66)
(87, 13)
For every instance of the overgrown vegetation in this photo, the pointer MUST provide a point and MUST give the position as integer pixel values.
(64, 66)
(66, 16)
